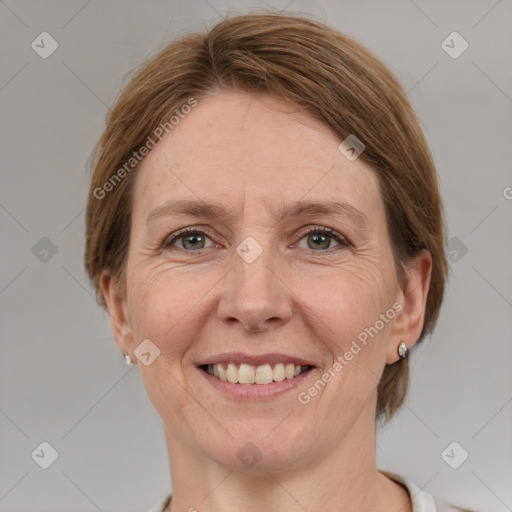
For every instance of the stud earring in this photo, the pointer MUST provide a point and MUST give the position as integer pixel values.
(128, 359)
(402, 350)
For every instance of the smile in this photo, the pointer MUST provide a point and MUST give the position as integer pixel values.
(244, 373)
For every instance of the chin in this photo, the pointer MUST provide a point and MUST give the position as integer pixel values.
(258, 447)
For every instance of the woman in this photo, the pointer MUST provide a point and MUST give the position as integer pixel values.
(265, 229)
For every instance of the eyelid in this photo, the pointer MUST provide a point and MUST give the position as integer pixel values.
(343, 242)
(168, 240)
(323, 229)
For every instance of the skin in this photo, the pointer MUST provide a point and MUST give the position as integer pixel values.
(301, 297)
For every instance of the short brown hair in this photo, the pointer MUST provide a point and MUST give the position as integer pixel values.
(313, 66)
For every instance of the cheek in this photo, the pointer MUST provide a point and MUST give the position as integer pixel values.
(166, 307)
(347, 321)
(347, 315)
(348, 300)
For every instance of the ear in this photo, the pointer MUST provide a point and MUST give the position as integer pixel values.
(118, 311)
(413, 297)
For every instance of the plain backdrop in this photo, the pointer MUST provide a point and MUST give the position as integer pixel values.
(63, 380)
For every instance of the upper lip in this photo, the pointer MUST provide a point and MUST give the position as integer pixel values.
(255, 360)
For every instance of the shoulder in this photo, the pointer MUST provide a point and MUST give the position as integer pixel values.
(422, 501)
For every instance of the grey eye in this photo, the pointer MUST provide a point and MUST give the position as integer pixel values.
(189, 240)
(320, 239)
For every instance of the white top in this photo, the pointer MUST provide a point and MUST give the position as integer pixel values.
(422, 501)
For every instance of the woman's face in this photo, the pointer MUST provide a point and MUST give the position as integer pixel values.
(251, 287)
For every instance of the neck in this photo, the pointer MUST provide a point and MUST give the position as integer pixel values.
(343, 477)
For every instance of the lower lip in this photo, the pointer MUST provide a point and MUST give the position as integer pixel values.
(255, 391)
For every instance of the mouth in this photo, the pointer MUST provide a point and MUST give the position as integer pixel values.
(245, 377)
(255, 374)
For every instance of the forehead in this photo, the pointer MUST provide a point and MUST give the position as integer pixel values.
(237, 147)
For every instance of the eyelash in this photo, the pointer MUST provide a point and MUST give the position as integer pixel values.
(320, 230)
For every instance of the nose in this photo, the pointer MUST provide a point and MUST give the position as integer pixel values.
(255, 295)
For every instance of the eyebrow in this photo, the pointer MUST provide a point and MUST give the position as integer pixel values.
(215, 210)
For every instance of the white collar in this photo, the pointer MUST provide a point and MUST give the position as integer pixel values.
(422, 501)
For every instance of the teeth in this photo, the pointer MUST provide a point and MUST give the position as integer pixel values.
(264, 374)
(249, 374)
(279, 373)
(222, 372)
(232, 373)
(246, 374)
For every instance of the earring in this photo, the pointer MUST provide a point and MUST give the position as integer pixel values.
(128, 359)
(402, 350)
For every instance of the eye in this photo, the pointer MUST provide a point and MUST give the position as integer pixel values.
(320, 238)
(191, 239)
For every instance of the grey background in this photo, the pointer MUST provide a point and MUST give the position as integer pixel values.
(62, 377)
